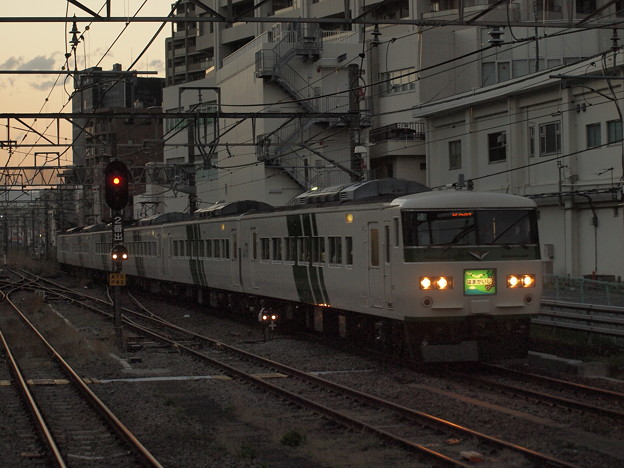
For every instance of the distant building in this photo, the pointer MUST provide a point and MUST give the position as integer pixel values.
(99, 139)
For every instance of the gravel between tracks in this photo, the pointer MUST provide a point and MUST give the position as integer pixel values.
(214, 422)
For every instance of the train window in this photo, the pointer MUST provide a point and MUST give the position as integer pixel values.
(318, 249)
(303, 249)
(387, 243)
(254, 245)
(484, 227)
(209, 248)
(438, 228)
(395, 226)
(234, 244)
(335, 250)
(349, 250)
(374, 247)
(265, 253)
(216, 248)
(277, 249)
(291, 249)
(201, 251)
(507, 227)
(226, 248)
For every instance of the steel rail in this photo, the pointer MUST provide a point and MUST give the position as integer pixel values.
(541, 396)
(539, 457)
(40, 422)
(146, 457)
(339, 417)
(563, 383)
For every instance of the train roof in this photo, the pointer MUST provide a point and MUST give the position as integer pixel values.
(462, 199)
(163, 218)
(233, 208)
(360, 191)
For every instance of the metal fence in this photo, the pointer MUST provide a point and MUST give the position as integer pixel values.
(583, 291)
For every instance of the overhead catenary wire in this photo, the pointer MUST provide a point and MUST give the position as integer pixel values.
(372, 84)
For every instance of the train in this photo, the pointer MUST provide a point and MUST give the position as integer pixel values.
(433, 275)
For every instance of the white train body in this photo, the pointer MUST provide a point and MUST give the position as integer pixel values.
(356, 269)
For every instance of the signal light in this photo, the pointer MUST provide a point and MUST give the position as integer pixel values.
(116, 182)
(119, 253)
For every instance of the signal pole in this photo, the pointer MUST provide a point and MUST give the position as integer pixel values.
(116, 183)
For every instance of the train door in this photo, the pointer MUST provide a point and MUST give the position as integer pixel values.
(236, 260)
(375, 267)
(253, 254)
(387, 273)
(165, 254)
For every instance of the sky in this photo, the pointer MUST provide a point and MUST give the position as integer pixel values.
(42, 46)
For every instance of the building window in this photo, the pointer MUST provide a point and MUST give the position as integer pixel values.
(593, 135)
(497, 146)
(531, 141)
(550, 138)
(398, 81)
(585, 7)
(614, 131)
(455, 154)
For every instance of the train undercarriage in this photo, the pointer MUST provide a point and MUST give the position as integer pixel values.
(473, 338)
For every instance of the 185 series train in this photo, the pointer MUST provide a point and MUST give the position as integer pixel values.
(437, 275)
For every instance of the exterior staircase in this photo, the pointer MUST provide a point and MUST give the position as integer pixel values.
(282, 147)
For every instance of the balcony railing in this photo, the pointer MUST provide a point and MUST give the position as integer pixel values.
(400, 131)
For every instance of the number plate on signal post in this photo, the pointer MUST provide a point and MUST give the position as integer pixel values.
(117, 279)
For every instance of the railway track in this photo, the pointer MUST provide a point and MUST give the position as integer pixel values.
(550, 390)
(411, 429)
(74, 427)
(444, 441)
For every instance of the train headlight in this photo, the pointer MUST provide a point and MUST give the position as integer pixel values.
(521, 281)
(439, 282)
(119, 253)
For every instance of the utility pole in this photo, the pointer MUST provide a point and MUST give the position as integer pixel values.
(354, 122)
(191, 160)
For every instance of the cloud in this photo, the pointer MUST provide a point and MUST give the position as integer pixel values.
(40, 62)
(158, 65)
(42, 85)
(11, 63)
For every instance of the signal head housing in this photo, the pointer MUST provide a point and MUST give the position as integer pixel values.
(116, 183)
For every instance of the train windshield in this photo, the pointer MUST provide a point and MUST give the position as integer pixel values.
(476, 227)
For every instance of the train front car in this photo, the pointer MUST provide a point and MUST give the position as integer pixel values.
(472, 274)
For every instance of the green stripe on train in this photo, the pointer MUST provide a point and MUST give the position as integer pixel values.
(196, 265)
(309, 279)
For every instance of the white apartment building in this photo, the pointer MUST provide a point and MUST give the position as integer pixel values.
(556, 137)
(356, 86)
